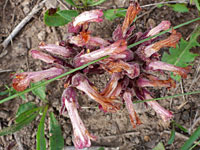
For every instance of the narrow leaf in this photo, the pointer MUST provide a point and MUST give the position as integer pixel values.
(25, 107)
(160, 146)
(27, 114)
(68, 14)
(71, 2)
(172, 136)
(18, 126)
(98, 2)
(197, 2)
(179, 8)
(40, 92)
(112, 14)
(56, 138)
(41, 142)
(191, 140)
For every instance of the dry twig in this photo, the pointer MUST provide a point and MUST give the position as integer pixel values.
(21, 25)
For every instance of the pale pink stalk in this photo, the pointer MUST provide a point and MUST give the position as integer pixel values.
(81, 135)
(164, 25)
(56, 49)
(127, 96)
(164, 114)
(159, 65)
(81, 83)
(113, 49)
(42, 56)
(22, 80)
(88, 16)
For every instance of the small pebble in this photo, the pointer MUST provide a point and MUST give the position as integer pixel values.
(41, 35)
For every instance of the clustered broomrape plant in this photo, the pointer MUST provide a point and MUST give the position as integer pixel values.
(131, 70)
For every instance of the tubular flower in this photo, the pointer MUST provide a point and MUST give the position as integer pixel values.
(81, 83)
(127, 96)
(88, 16)
(162, 112)
(81, 135)
(113, 49)
(153, 48)
(151, 81)
(126, 55)
(159, 65)
(164, 25)
(22, 80)
(132, 70)
(42, 56)
(56, 49)
(132, 11)
(111, 86)
(84, 38)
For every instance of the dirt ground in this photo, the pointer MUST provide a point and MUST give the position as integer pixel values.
(113, 129)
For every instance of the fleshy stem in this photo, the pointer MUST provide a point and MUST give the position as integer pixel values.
(92, 62)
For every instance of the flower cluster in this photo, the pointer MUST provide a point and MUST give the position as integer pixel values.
(131, 69)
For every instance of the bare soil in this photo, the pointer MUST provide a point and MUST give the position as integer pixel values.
(113, 129)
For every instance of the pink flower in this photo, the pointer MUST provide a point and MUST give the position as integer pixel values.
(164, 114)
(132, 70)
(159, 65)
(164, 25)
(56, 49)
(84, 38)
(171, 41)
(42, 56)
(88, 16)
(132, 11)
(127, 96)
(115, 48)
(152, 81)
(22, 80)
(112, 85)
(81, 135)
(81, 83)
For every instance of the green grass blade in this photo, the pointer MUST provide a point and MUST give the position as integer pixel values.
(191, 140)
(56, 138)
(198, 143)
(172, 136)
(181, 127)
(41, 141)
(18, 126)
(97, 3)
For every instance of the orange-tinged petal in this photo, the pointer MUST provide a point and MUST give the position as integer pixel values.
(132, 11)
